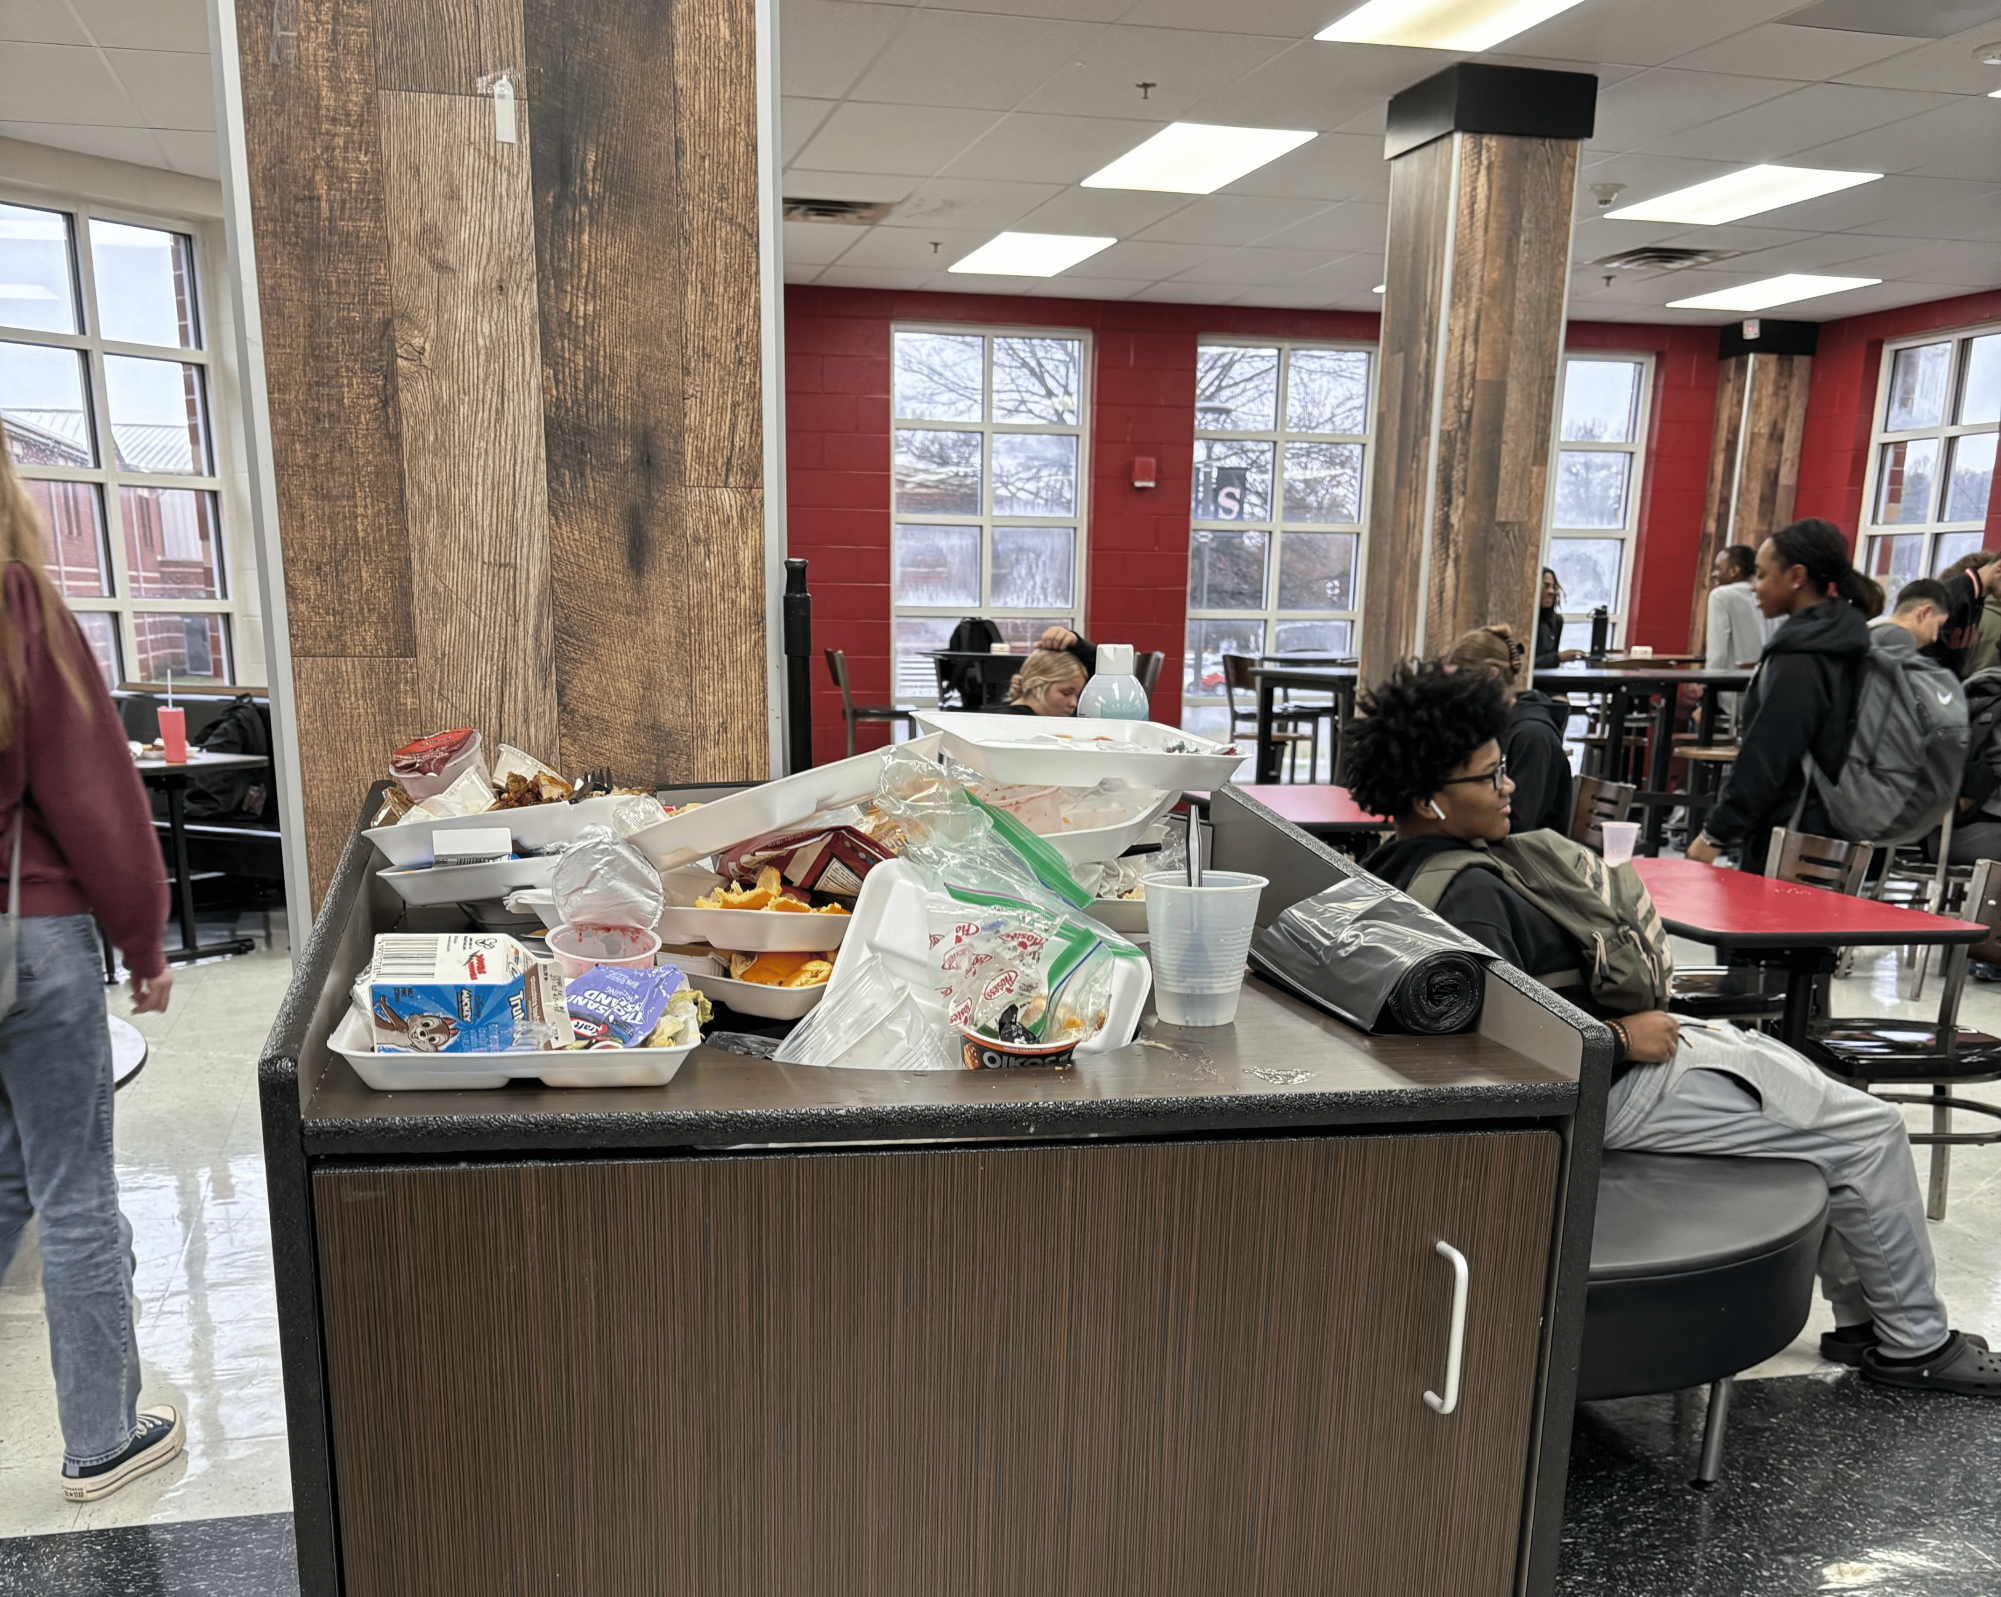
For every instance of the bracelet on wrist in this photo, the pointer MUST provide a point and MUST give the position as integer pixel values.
(1619, 1033)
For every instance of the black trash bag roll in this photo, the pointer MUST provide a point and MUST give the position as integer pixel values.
(1377, 959)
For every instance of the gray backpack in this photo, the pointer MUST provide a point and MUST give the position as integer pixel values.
(1628, 964)
(1906, 752)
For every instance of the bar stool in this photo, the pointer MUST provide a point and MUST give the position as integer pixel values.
(851, 712)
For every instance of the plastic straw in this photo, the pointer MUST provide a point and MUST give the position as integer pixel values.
(170, 687)
(1194, 848)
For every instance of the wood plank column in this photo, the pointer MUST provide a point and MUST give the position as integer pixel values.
(1483, 174)
(1754, 453)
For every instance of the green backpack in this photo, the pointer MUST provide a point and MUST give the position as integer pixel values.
(1605, 908)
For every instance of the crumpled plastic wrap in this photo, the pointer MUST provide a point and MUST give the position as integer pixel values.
(873, 1022)
(602, 880)
(1376, 958)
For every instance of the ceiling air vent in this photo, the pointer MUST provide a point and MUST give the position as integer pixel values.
(1662, 258)
(852, 213)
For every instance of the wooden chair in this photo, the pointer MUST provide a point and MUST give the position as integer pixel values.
(1285, 719)
(1829, 862)
(1147, 668)
(851, 712)
(1598, 801)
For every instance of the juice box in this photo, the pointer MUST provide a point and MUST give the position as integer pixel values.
(463, 993)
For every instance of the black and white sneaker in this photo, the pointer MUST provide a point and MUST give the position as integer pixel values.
(157, 1441)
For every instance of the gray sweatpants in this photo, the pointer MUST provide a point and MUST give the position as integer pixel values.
(1876, 1258)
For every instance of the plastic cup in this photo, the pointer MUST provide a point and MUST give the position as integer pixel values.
(174, 735)
(1197, 940)
(577, 948)
(1000, 648)
(1621, 838)
(1641, 651)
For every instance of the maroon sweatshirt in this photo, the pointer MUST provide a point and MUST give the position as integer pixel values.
(89, 846)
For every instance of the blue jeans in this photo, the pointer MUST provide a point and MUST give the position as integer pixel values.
(56, 1162)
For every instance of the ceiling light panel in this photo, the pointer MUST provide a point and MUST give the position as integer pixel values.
(1031, 254)
(1738, 194)
(1441, 24)
(1196, 158)
(1771, 292)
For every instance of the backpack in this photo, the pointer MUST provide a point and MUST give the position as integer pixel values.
(1906, 751)
(1628, 964)
(1982, 772)
(976, 634)
(236, 795)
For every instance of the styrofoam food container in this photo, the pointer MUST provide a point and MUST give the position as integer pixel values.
(754, 998)
(765, 808)
(533, 827)
(354, 1041)
(1124, 915)
(754, 931)
(1015, 748)
(464, 884)
(1089, 846)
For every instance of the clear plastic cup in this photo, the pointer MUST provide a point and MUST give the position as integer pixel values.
(578, 948)
(1197, 941)
(1621, 838)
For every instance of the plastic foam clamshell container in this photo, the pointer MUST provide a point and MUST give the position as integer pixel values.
(1034, 748)
(533, 827)
(755, 998)
(1088, 847)
(748, 931)
(354, 1041)
(469, 884)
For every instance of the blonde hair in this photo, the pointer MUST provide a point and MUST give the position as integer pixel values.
(1492, 649)
(1044, 669)
(21, 540)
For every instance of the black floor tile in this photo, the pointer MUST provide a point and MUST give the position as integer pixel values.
(251, 1556)
(1827, 1486)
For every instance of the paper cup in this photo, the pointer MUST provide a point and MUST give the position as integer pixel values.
(577, 948)
(1621, 838)
(1197, 940)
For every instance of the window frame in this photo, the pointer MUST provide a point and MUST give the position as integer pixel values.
(235, 559)
(986, 521)
(1933, 528)
(1626, 535)
(1271, 615)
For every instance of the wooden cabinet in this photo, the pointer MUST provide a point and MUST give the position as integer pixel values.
(1164, 1369)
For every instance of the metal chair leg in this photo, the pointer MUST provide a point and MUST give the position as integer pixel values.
(1941, 1161)
(1720, 1393)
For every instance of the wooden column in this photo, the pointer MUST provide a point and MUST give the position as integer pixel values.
(1482, 178)
(514, 383)
(1754, 453)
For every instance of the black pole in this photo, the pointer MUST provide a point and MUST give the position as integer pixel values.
(798, 669)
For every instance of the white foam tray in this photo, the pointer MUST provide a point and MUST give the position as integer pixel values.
(765, 808)
(1109, 842)
(354, 1041)
(753, 931)
(533, 828)
(753, 998)
(466, 884)
(1016, 748)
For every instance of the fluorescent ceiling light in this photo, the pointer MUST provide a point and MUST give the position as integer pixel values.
(1994, 94)
(1771, 291)
(1379, 288)
(1031, 254)
(1745, 193)
(1441, 24)
(1196, 158)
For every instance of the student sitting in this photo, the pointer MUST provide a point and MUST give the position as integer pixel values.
(1426, 753)
(1532, 741)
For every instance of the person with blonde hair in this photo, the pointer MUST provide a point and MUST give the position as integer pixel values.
(76, 839)
(1532, 741)
(1047, 684)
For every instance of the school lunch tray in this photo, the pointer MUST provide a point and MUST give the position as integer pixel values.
(354, 1041)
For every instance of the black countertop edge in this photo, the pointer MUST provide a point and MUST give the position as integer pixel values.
(1057, 1121)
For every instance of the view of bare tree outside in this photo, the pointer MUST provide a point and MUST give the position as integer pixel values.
(1281, 455)
(987, 489)
(1594, 487)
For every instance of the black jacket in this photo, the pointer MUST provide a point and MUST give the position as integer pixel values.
(1801, 701)
(1532, 744)
(1483, 906)
(1548, 639)
(1962, 627)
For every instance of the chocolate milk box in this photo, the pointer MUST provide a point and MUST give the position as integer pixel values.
(463, 993)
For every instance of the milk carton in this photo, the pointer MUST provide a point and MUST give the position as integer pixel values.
(463, 993)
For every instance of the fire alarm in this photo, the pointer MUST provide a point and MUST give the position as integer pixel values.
(1144, 473)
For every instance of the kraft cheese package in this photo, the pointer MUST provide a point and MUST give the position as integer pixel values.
(463, 993)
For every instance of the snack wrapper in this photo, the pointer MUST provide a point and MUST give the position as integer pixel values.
(1005, 969)
(463, 993)
(613, 1007)
(826, 859)
(469, 794)
(602, 881)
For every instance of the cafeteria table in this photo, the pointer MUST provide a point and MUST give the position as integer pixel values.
(1319, 810)
(156, 772)
(995, 671)
(1799, 928)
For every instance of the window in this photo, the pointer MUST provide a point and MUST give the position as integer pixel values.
(987, 476)
(1280, 495)
(1931, 463)
(1595, 488)
(104, 394)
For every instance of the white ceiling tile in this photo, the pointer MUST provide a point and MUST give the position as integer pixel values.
(824, 45)
(1882, 296)
(1320, 86)
(1810, 116)
(1962, 139)
(136, 145)
(803, 183)
(1289, 296)
(963, 58)
(1254, 266)
(911, 248)
(64, 85)
(1357, 273)
(1645, 32)
(818, 243)
(1353, 225)
(147, 25)
(1068, 10)
(1278, 19)
(1974, 214)
(1183, 65)
(1643, 110)
(797, 273)
(1119, 213)
(38, 22)
(1942, 66)
(798, 120)
(1097, 288)
(195, 153)
(172, 89)
(1027, 147)
(968, 203)
(872, 277)
(1811, 55)
(1938, 261)
(1869, 203)
(1178, 293)
(915, 140)
(1138, 258)
(1228, 219)
(1335, 166)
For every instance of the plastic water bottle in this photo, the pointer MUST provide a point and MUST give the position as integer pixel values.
(1114, 693)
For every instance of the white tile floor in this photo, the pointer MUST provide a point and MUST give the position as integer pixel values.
(191, 1171)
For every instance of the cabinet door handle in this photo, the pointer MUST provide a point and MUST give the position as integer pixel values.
(1455, 1345)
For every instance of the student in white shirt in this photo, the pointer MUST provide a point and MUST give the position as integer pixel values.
(1735, 637)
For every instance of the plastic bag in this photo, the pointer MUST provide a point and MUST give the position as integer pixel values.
(874, 1021)
(604, 881)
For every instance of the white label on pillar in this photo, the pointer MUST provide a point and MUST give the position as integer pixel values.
(503, 110)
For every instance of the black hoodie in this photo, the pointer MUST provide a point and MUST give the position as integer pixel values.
(1801, 701)
(1532, 744)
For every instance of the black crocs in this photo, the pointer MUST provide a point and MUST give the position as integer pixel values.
(1962, 1365)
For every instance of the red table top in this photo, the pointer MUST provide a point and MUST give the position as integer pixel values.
(1315, 804)
(1712, 905)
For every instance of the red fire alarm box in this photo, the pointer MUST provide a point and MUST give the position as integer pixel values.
(1144, 473)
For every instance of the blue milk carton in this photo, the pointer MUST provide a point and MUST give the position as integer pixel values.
(463, 993)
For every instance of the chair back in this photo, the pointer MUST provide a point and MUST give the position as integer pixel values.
(837, 667)
(1983, 904)
(1149, 669)
(1829, 862)
(1236, 676)
(1598, 801)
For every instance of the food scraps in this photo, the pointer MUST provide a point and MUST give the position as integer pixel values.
(769, 893)
(782, 969)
